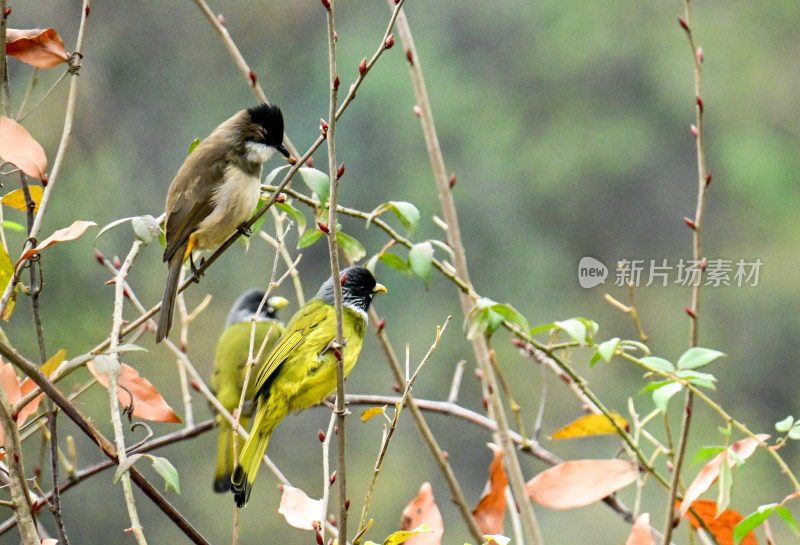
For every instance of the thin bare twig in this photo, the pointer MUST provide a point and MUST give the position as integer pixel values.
(75, 64)
(113, 377)
(514, 470)
(362, 525)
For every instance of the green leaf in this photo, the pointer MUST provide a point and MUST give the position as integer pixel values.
(478, 323)
(350, 246)
(788, 518)
(125, 466)
(399, 537)
(725, 483)
(659, 364)
(146, 228)
(607, 349)
(309, 237)
(662, 395)
(706, 453)
(420, 257)
(755, 519)
(407, 213)
(575, 328)
(444, 246)
(13, 226)
(704, 380)
(697, 357)
(784, 425)
(794, 433)
(298, 217)
(542, 328)
(193, 145)
(112, 225)
(317, 181)
(511, 314)
(636, 344)
(395, 262)
(167, 471)
(495, 320)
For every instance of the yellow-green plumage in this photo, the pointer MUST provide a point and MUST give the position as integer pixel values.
(227, 380)
(301, 369)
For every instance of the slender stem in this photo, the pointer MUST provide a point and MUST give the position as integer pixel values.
(5, 107)
(79, 476)
(333, 250)
(69, 115)
(16, 474)
(247, 72)
(702, 186)
(32, 371)
(362, 525)
(516, 479)
(427, 435)
(113, 376)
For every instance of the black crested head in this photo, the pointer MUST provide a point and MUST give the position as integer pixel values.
(247, 304)
(358, 288)
(270, 118)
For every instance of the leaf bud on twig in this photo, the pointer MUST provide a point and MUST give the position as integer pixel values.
(389, 41)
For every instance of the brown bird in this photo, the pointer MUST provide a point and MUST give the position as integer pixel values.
(216, 191)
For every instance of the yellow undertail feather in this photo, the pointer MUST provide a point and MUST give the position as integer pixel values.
(249, 462)
(224, 468)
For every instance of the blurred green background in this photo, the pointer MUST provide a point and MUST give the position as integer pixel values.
(567, 126)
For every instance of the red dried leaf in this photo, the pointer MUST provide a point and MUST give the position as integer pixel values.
(721, 526)
(68, 233)
(580, 482)
(37, 47)
(640, 534)
(743, 449)
(17, 146)
(491, 510)
(147, 402)
(423, 510)
(299, 510)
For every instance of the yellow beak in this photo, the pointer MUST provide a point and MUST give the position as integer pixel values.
(379, 288)
(277, 302)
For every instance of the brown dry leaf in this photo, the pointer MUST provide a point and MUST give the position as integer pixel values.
(17, 146)
(68, 233)
(135, 389)
(580, 482)
(743, 449)
(299, 510)
(640, 534)
(423, 510)
(491, 510)
(37, 47)
(721, 526)
(591, 424)
(16, 199)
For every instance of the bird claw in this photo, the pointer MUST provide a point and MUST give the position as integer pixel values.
(244, 230)
(196, 274)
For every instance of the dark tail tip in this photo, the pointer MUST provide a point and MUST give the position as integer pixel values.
(222, 484)
(240, 487)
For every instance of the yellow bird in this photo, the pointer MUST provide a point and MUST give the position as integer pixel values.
(227, 380)
(301, 369)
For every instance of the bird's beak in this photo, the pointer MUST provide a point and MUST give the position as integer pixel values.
(379, 288)
(285, 153)
(277, 302)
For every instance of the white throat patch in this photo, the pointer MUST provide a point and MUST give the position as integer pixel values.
(257, 152)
